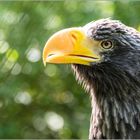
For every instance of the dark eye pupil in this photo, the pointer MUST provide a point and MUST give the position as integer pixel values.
(106, 44)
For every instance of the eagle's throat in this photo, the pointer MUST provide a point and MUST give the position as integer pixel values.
(115, 101)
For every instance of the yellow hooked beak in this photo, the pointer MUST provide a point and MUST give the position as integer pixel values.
(70, 46)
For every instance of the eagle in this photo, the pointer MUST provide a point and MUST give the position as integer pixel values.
(105, 58)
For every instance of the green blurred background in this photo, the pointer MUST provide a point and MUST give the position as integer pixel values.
(38, 101)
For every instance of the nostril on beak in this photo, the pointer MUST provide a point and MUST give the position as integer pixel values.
(50, 54)
(74, 36)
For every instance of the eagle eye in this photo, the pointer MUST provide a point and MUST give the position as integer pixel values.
(107, 44)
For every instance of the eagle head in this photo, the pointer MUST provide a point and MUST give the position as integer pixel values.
(105, 56)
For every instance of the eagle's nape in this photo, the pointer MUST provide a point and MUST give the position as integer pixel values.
(113, 79)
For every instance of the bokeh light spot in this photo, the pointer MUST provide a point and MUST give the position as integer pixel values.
(34, 55)
(3, 46)
(7, 66)
(12, 55)
(54, 121)
(16, 69)
(9, 17)
(39, 123)
(23, 97)
(51, 70)
(56, 22)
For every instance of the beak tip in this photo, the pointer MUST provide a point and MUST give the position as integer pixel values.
(44, 61)
(44, 64)
(44, 56)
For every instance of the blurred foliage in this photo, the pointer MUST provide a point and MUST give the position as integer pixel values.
(38, 101)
